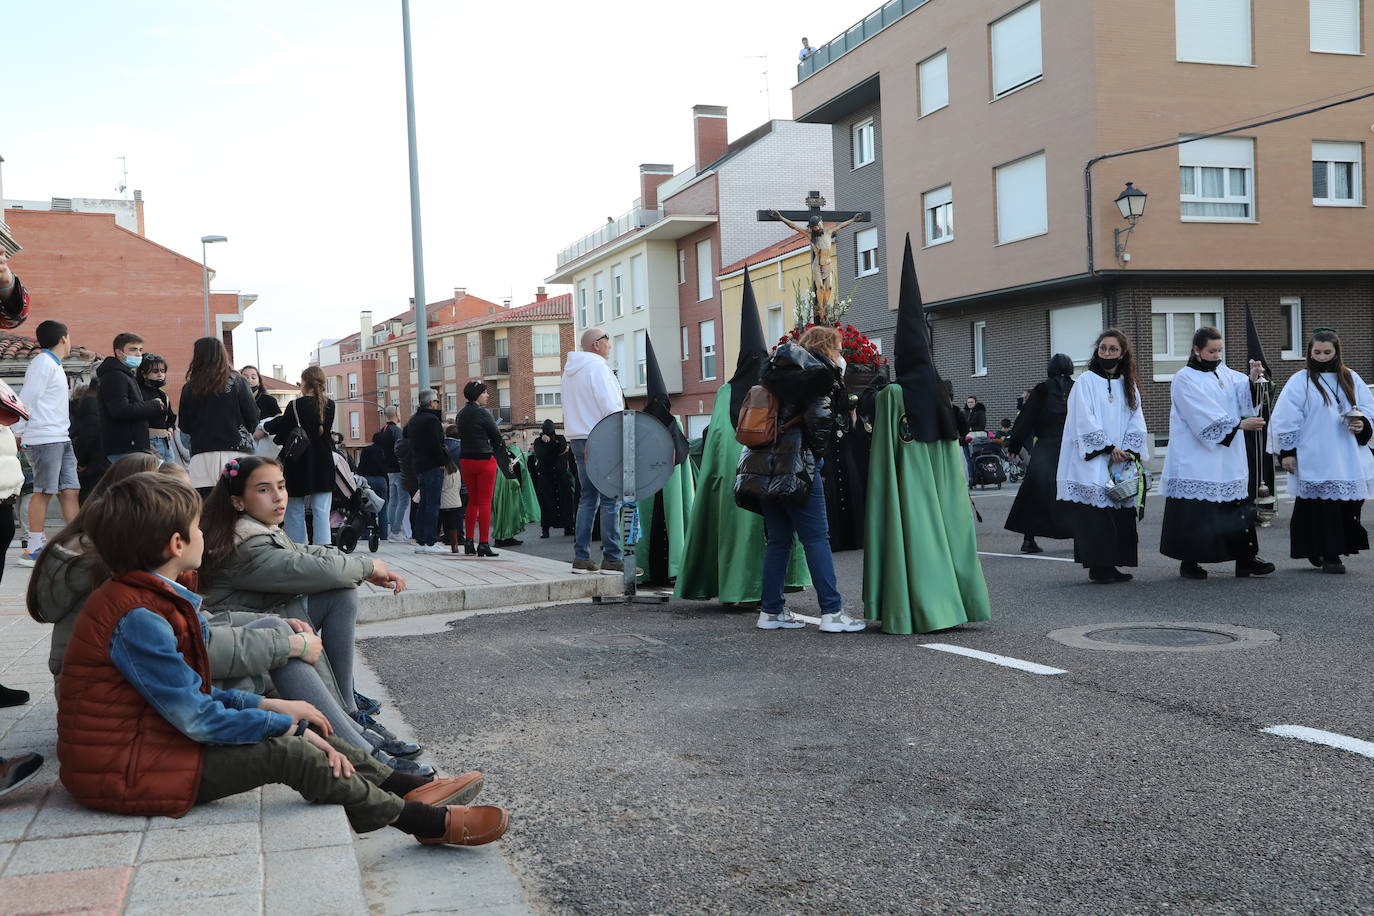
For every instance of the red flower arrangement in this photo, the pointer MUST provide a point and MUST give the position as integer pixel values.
(855, 346)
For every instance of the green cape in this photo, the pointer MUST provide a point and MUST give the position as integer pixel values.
(921, 568)
(514, 504)
(677, 494)
(723, 555)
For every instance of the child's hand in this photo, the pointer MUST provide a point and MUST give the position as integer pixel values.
(311, 649)
(298, 626)
(337, 762)
(298, 709)
(383, 576)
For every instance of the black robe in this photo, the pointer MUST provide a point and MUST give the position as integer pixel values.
(1034, 511)
(554, 482)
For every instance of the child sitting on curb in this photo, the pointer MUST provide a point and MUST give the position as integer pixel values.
(141, 731)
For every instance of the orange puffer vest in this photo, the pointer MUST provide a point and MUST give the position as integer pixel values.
(116, 752)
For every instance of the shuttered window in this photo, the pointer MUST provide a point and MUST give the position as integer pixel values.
(1022, 210)
(1213, 31)
(1016, 58)
(933, 74)
(1335, 26)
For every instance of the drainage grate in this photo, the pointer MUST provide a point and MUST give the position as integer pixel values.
(614, 641)
(1163, 636)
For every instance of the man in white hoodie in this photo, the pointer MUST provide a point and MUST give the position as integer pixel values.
(591, 392)
(46, 434)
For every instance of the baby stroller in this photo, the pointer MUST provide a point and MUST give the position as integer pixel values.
(355, 508)
(988, 461)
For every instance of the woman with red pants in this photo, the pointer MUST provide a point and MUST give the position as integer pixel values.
(480, 450)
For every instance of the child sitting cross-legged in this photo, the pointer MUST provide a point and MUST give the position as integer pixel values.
(141, 731)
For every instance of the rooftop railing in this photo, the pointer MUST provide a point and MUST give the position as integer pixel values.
(856, 35)
(629, 221)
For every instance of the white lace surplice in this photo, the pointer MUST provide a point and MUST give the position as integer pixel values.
(1096, 420)
(1206, 407)
(1331, 464)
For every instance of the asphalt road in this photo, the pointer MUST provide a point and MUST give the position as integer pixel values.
(699, 765)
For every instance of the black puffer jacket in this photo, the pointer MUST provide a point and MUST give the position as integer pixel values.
(804, 384)
(124, 414)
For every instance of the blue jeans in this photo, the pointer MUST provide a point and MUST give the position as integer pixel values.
(809, 523)
(397, 503)
(162, 448)
(427, 518)
(381, 488)
(294, 523)
(586, 511)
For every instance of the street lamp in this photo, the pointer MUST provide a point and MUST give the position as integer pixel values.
(257, 339)
(1131, 203)
(205, 273)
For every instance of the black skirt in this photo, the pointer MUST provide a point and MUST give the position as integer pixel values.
(1199, 531)
(1326, 529)
(1102, 537)
(1035, 511)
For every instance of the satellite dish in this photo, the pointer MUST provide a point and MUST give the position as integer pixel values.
(652, 448)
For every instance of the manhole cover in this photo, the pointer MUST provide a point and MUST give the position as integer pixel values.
(614, 641)
(1163, 636)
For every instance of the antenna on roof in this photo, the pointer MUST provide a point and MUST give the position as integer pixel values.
(124, 176)
(767, 92)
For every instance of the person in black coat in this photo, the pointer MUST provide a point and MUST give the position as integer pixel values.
(217, 413)
(549, 464)
(124, 412)
(309, 475)
(1040, 427)
(267, 405)
(152, 383)
(424, 435)
(482, 454)
(372, 465)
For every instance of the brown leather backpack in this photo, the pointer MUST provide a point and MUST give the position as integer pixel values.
(757, 423)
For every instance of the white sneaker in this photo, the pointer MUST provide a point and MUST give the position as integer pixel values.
(785, 620)
(841, 622)
(432, 548)
(28, 559)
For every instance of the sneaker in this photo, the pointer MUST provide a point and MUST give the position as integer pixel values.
(28, 558)
(583, 566)
(840, 622)
(366, 705)
(432, 548)
(612, 567)
(382, 737)
(401, 765)
(783, 620)
(16, 771)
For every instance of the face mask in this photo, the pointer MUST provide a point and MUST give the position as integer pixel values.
(840, 364)
(1207, 365)
(154, 382)
(133, 362)
(1108, 364)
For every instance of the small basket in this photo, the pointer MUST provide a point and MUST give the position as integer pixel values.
(1125, 490)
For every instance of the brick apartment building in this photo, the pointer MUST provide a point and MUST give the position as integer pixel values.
(994, 108)
(89, 265)
(652, 273)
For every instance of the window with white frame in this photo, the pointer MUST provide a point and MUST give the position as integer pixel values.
(450, 353)
(450, 403)
(381, 382)
(979, 330)
(707, 330)
(686, 345)
(1216, 180)
(502, 346)
(1213, 32)
(474, 346)
(866, 251)
(1173, 323)
(1074, 330)
(1022, 203)
(412, 360)
(581, 306)
(544, 343)
(391, 363)
(599, 296)
(1336, 179)
(355, 425)
(548, 396)
(331, 386)
(932, 74)
(1290, 311)
(862, 145)
(1335, 26)
(938, 206)
(775, 328)
(639, 283)
(681, 266)
(619, 361)
(641, 358)
(704, 265)
(1016, 55)
(617, 291)
(352, 384)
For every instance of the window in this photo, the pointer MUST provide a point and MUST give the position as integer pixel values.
(1022, 210)
(412, 360)
(1016, 58)
(1173, 322)
(450, 355)
(391, 365)
(1290, 310)
(1074, 330)
(1212, 31)
(862, 143)
(681, 266)
(474, 347)
(686, 344)
(1214, 178)
(1335, 26)
(1336, 179)
(355, 425)
(979, 330)
(617, 291)
(599, 296)
(502, 346)
(545, 343)
(548, 396)
(352, 384)
(939, 209)
(641, 358)
(877, 343)
(704, 270)
(708, 350)
(618, 360)
(639, 283)
(331, 386)
(775, 329)
(866, 251)
(381, 382)
(451, 403)
(581, 307)
(933, 76)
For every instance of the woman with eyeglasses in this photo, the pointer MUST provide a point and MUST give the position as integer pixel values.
(152, 381)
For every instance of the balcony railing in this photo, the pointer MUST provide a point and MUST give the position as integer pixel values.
(629, 221)
(495, 365)
(856, 35)
(499, 414)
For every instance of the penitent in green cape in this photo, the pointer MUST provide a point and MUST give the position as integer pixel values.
(921, 567)
(514, 504)
(723, 556)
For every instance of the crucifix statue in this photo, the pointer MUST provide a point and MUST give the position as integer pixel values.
(821, 238)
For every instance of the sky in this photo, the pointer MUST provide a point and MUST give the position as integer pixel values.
(281, 125)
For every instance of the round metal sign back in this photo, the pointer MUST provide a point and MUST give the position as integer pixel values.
(653, 455)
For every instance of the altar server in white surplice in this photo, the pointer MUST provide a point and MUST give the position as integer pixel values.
(1320, 430)
(1208, 515)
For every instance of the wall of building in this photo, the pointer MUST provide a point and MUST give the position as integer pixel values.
(698, 394)
(862, 189)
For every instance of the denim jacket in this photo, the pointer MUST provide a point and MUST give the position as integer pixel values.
(144, 650)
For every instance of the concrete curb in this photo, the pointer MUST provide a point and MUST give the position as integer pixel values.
(378, 607)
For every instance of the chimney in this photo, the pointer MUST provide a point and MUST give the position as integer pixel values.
(541, 294)
(138, 209)
(278, 370)
(364, 331)
(709, 132)
(459, 292)
(505, 302)
(652, 175)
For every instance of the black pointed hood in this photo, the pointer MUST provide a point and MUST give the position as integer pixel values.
(658, 404)
(753, 350)
(1252, 344)
(930, 417)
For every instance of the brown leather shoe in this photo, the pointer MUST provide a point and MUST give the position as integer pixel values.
(448, 790)
(472, 826)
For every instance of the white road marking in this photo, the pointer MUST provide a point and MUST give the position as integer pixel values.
(1317, 736)
(1024, 556)
(815, 621)
(1004, 660)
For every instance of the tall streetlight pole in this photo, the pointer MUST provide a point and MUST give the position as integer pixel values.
(257, 338)
(205, 274)
(416, 247)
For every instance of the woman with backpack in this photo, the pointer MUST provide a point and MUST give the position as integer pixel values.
(307, 458)
(781, 479)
